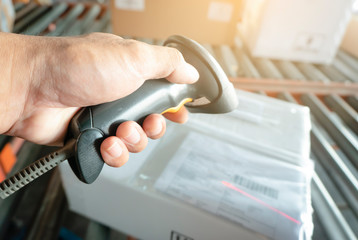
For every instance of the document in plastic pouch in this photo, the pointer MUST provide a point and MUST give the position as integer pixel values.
(264, 194)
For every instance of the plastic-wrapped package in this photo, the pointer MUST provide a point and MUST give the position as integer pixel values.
(243, 175)
(246, 187)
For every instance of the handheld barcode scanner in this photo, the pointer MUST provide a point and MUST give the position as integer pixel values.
(212, 93)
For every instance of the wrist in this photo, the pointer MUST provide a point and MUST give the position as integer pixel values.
(17, 61)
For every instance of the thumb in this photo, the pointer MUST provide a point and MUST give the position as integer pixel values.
(169, 63)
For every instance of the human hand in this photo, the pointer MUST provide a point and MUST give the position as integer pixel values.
(47, 80)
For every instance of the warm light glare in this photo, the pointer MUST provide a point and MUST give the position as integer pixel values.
(355, 7)
(229, 185)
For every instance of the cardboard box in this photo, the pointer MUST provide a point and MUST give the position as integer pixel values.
(193, 185)
(350, 40)
(309, 31)
(206, 21)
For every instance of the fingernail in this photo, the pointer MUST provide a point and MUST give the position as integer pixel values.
(133, 136)
(192, 71)
(156, 130)
(115, 150)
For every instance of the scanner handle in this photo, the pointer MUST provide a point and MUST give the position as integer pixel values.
(92, 124)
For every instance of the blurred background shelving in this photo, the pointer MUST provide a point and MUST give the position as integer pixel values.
(330, 91)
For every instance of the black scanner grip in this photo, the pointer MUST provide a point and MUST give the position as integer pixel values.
(92, 124)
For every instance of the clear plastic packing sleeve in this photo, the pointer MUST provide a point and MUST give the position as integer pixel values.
(265, 195)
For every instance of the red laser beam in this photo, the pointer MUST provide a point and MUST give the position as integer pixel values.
(229, 185)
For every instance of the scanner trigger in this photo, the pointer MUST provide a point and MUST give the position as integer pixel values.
(202, 101)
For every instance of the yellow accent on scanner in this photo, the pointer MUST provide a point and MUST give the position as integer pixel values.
(175, 109)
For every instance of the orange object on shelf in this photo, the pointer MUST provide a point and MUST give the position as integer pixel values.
(7, 158)
(2, 174)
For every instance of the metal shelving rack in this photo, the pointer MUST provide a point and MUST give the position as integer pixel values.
(330, 91)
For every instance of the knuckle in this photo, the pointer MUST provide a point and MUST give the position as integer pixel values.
(175, 57)
(138, 57)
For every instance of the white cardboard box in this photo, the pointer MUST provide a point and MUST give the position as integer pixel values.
(298, 30)
(350, 39)
(242, 175)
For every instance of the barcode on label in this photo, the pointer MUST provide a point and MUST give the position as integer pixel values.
(257, 187)
(178, 236)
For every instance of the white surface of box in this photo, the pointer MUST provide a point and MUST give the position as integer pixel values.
(242, 175)
(295, 30)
